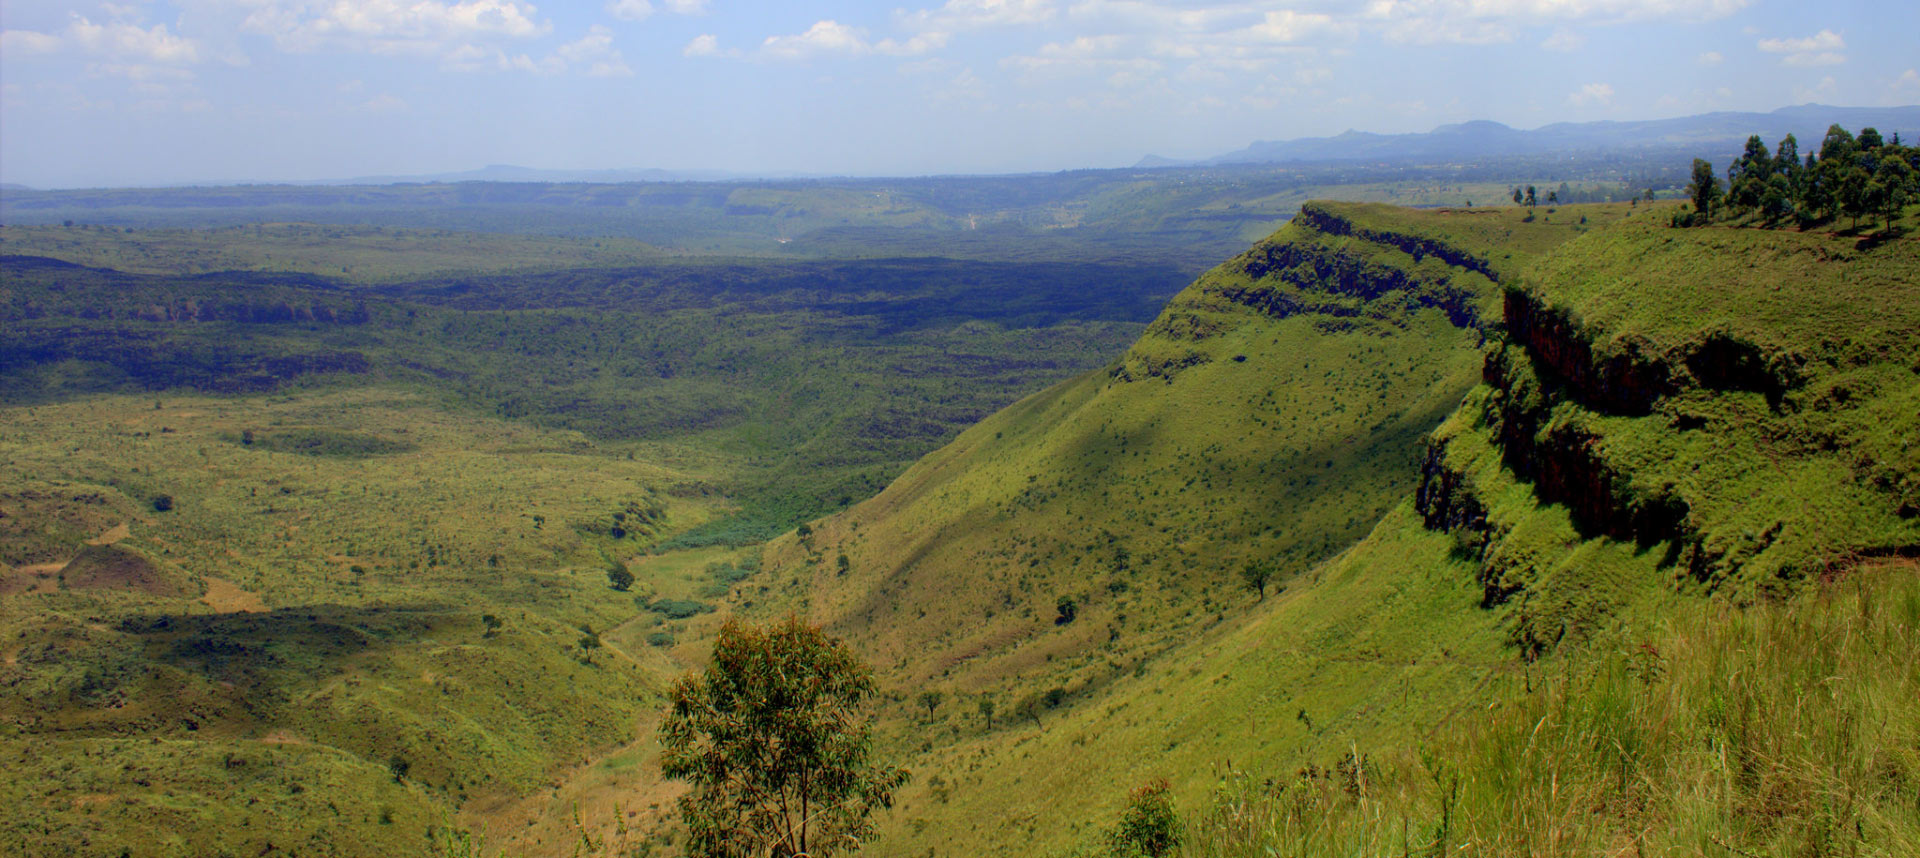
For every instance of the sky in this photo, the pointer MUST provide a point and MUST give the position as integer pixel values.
(106, 94)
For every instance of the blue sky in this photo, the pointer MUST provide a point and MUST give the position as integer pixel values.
(208, 90)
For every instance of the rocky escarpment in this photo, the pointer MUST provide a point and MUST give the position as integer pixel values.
(1717, 450)
(1334, 278)
(1630, 374)
(1328, 266)
(1326, 220)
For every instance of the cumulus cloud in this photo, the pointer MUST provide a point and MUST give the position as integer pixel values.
(14, 43)
(596, 53)
(592, 55)
(1820, 49)
(1598, 94)
(824, 37)
(704, 45)
(1289, 26)
(640, 10)
(391, 26)
(830, 38)
(129, 41)
(1710, 58)
(1564, 41)
(630, 10)
(970, 14)
(1483, 22)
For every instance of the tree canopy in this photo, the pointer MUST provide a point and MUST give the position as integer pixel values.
(1851, 177)
(773, 737)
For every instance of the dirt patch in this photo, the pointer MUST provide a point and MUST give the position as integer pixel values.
(43, 524)
(36, 578)
(113, 534)
(111, 567)
(224, 596)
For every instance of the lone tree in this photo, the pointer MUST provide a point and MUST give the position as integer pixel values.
(1705, 190)
(773, 737)
(1257, 574)
(932, 698)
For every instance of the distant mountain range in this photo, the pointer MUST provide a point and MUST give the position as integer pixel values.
(511, 173)
(1479, 139)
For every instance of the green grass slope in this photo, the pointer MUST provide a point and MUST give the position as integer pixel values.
(1272, 414)
(1660, 415)
(328, 641)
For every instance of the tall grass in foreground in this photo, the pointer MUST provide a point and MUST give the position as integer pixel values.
(1788, 729)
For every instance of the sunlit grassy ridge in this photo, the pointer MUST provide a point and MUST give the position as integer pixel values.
(1573, 491)
(1272, 414)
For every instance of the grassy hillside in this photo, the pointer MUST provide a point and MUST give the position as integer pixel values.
(314, 624)
(1532, 436)
(1272, 414)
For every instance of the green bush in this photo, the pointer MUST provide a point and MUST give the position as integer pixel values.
(1149, 825)
(678, 609)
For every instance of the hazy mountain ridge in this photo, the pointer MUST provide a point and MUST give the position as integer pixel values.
(1708, 134)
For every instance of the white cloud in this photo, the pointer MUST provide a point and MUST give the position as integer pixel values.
(127, 42)
(593, 55)
(1825, 40)
(630, 10)
(465, 58)
(640, 10)
(829, 37)
(705, 45)
(1820, 49)
(1288, 26)
(1594, 93)
(1490, 21)
(596, 51)
(969, 14)
(1564, 41)
(13, 43)
(391, 26)
(1822, 58)
(1824, 89)
(1908, 81)
(1710, 58)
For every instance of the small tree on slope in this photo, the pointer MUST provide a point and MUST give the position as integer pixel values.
(773, 737)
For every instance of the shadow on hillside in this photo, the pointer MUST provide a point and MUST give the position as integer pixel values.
(283, 646)
(1872, 240)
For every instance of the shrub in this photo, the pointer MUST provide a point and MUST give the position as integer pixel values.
(678, 609)
(1148, 826)
(618, 577)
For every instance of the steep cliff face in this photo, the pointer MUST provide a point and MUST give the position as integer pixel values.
(1741, 409)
